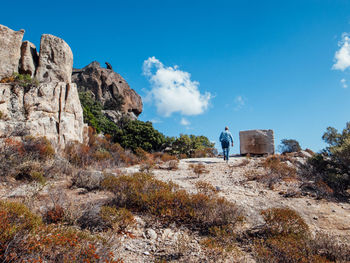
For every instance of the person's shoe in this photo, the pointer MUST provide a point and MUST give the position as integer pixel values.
(224, 157)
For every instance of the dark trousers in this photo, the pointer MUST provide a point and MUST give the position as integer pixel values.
(226, 149)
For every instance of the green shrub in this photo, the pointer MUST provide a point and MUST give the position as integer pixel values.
(139, 134)
(115, 103)
(332, 165)
(93, 115)
(191, 145)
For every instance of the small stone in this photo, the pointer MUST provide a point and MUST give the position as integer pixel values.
(146, 253)
(151, 234)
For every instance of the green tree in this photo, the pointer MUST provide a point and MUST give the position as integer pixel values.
(141, 134)
(332, 165)
(188, 144)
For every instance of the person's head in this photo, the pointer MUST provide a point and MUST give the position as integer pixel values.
(226, 128)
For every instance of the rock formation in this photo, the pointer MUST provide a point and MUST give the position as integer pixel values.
(109, 88)
(29, 59)
(48, 108)
(55, 60)
(10, 50)
(257, 142)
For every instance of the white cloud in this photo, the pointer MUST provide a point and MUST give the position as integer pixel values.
(173, 90)
(343, 83)
(184, 122)
(239, 102)
(342, 56)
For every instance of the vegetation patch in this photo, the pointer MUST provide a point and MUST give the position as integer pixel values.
(142, 193)
(23, 80)
(24, 238)
(331, 167)
(285, 237)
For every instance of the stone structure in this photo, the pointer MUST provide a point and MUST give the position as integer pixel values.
(257, 142)
(10, 50)
(49, 108)
(109, 88)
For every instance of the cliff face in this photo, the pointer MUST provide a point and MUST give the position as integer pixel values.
(48, 108)
(109, 88)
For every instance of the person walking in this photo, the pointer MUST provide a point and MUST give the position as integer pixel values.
(225, 139)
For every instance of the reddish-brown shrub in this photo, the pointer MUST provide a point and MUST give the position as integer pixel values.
(276, 170)
(99, 152)
(284, 221)
(55, 214)
(165, 157)
(23, 238)
(286, 238)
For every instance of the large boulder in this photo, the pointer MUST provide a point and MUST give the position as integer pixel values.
(110, 89)
(89, 180)
(10, 50)
(51, 109)
(257, 142)
(55, 60)
(29, 59)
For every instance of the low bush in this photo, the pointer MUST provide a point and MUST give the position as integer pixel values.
(24, 80)
(26, 159)
(198, 169)
(285, 238)
(24, 238)
(142, 193)
(276, 170)
(55, 214)
(119, 219)
(206, 188)
(99, 152)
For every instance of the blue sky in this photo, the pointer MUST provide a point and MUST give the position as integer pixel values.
(245, 64)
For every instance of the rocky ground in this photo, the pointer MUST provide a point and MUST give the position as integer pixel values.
(151, 241)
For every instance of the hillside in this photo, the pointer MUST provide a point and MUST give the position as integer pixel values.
(242, 181)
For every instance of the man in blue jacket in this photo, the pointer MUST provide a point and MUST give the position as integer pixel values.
(226, 139)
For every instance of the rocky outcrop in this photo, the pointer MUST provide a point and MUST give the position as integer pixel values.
(55, 60)
(110, 89)
(10, 50)
(50, 107)
(257, 142)
(29, 59)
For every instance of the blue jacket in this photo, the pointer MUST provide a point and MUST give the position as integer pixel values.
(226, 136)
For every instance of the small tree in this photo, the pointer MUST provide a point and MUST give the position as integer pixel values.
(332, 165)
(289, 146)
